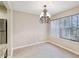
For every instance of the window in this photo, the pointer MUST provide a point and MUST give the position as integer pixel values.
(66, 27)
(55, 28)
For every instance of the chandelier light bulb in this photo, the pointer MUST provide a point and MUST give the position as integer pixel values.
(44, 16)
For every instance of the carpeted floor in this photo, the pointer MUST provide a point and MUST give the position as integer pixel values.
(44, 50)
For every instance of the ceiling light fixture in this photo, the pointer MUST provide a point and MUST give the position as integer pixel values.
(45, 17)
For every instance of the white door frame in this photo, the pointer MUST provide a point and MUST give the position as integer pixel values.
(9, 27)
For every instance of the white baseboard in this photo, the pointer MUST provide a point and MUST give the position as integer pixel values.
(72, 51)
(77, 53)
(28, 45)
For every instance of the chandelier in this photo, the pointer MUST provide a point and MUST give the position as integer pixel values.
(45, 17)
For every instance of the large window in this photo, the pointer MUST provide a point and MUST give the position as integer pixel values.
(66, 27)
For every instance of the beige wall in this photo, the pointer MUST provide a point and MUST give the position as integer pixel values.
(27, 29)
(69, 45)
(3, 12)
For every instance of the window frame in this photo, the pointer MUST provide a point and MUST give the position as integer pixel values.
(70, 26)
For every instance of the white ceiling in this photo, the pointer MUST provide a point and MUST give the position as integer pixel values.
(36, 7)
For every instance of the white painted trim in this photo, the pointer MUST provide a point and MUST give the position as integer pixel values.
(77, 53)
(10, 27)
(28, 45)
(8, 5)
(50, 43)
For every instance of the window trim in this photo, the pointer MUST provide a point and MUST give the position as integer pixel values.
(71, 16)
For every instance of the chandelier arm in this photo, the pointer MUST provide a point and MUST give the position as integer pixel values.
(45, 18)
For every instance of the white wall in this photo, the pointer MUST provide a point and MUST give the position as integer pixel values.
(66, 44)
(27, 29)
(72, 11)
